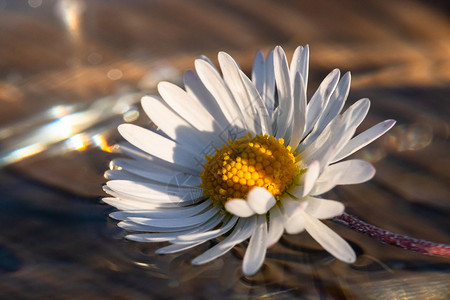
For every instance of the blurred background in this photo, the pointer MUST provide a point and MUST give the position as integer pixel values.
(72, 70)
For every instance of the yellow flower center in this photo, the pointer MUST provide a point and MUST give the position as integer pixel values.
(245, 163)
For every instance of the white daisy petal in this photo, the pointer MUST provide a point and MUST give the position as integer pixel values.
(131, 204)
(232, 77)
(364, 138)
(336, 102)
(293, 220)
(122, 175)
(300, 64)
(304, 65)
(207, 235)
(306, 181)
(172, 124)
(159, 146)
(239, 207)
(310, 177)
(260, 200)
(323, 209)
(156, 173)
(128, 225)
(215, 85)
(325, 143)
(258, 72)
(276, 227)
(351, 119)
(336, 135)
(295, 63)
(209, 61)
(176, 248)
(275, 115)
(151, 201)
(256, 251)
(294, 225)
(296, 191)
(164, 236)
(196, 89)
(269, 85)
(299, 120)
(328, 239)
(356, 113)
(126, 205)
(157, 191)
(320, 99)
(263, 118)
(187, 107)
(333, 108)
(163, 213)
(145, 158)
(244, 228)
(152, 237)
(206, 227)
(347, 172)
(177, 222)
(284, 92)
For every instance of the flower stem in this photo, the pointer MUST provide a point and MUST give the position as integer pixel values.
(387, 237)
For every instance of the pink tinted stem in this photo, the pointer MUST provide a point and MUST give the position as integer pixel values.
(387, 237)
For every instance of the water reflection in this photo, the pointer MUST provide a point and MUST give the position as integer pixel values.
(405, 137)
(70, 12)
(70, 127)
(55, 112)
(64, 128)
(410, 137)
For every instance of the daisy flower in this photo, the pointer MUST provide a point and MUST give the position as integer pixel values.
(245, 158)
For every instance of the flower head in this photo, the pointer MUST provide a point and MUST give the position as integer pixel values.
(246, 158)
